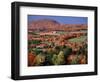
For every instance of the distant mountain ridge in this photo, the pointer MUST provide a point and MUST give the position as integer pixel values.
(50, 25)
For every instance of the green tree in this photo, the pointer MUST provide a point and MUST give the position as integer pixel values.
(60, 58)
(67, 51)
(54, 59)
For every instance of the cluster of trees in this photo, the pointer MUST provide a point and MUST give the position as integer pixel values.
(80, 57)
(53, 56)
(56, 55)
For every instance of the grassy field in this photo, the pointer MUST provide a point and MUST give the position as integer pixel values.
(80, 39)
(62, 32)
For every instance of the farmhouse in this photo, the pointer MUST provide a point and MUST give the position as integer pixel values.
(49, 33)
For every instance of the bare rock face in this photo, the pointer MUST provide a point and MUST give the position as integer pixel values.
(45, 24)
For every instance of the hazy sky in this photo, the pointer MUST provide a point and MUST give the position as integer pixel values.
(60, 19)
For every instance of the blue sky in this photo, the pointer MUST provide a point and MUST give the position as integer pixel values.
(60, 19)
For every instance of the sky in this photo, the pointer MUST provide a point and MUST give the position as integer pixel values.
(60, 19)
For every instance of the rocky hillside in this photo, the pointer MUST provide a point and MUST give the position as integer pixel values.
(50, 25)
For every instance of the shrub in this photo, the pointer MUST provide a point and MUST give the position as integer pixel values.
(37, 51)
